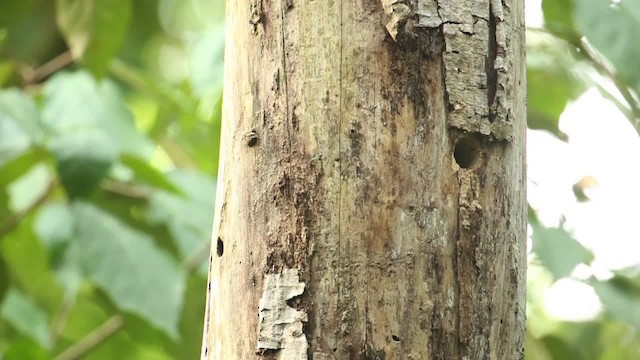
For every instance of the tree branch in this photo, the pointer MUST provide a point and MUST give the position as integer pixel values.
(586, 52)
(93, 339)
(33, 76)
(60, 319)
(126, 190)
(154, 87)
(606, 71)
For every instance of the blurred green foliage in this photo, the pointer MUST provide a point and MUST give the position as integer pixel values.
(109, 128)
(583, 44)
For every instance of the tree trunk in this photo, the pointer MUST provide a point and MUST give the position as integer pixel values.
(371, 200)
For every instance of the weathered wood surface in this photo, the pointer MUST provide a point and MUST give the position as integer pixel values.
(371, 200)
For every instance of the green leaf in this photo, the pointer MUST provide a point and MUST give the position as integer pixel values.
(196, 185)
(20, 165)
(3, 37)
(151, 353)
(26, 316)
(91, 127)
(7, 70)
(94, 29)
(206, 66)
(612, 28)
(148, 174)
(28, 264)
(189, 223)
(201, 142)
(188, 346)
(91, 310)
(25, 349)
(83, 159)
(535, 349)
(179, 17)
(548, 95)
(558, 18)
(75, 102)
(54, 224)
(618, 341)
(558, 251)
(189, 219)
(124, 262)
(14, 140)
(601, 339)
(191, 318)
(620, 296)
(32, 37)
(560, 349)
(22, 109)
(85, 316)
(552, 82)
(27, 190)
(4, 279)
(13, 170)
(54, 227)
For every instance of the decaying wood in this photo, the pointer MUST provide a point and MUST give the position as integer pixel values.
(371, 193)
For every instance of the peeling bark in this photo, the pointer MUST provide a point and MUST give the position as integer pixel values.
(279, 325)
(371, 199)
(477, 57)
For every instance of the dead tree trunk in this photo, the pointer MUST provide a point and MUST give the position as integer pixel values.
(372, 196)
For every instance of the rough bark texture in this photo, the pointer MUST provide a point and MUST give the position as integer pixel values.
(371, 200)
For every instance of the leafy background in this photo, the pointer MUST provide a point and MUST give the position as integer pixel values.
(109, 127)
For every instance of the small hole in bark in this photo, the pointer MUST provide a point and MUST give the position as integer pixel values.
(251, 138)
(220, 247)
(466, 152)
(395, 338)
(335, 349)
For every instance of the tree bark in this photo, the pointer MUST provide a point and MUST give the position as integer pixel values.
(371, 200)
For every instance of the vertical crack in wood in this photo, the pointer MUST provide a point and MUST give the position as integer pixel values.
(456, 272)
(341, 273)
(501, 105)
(285, 74)
(492, 72)
(471, 303)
